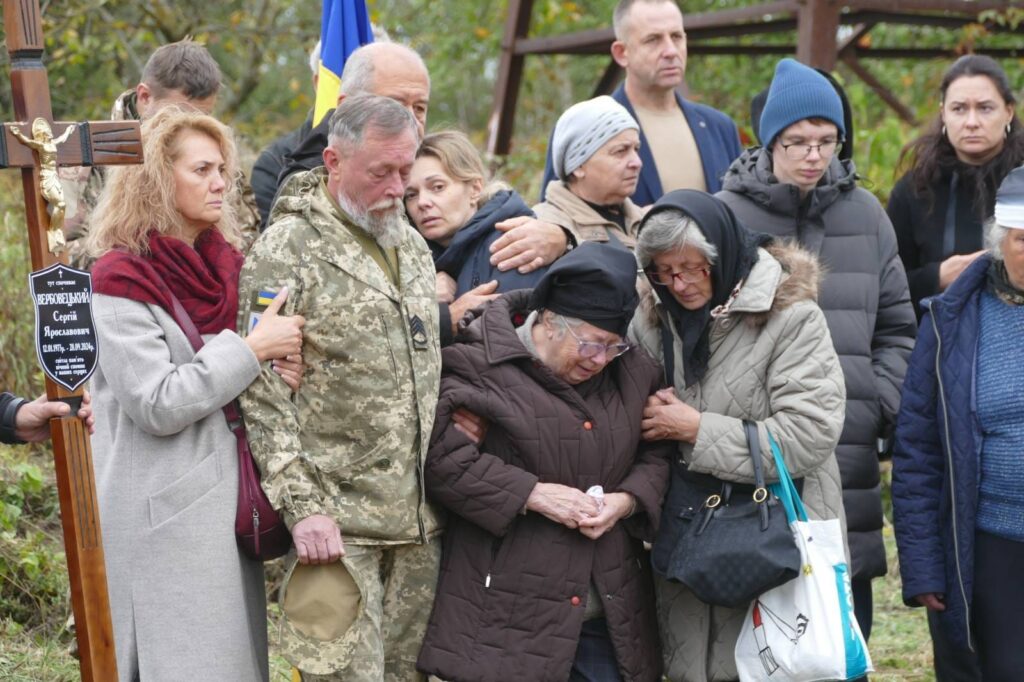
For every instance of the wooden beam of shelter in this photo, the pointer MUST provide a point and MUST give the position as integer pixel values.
(974, 7)
(884, 93)
(95, 143)
(817, 23)
(850, 41)
(510, 75)
(950, 21)
(609, 79)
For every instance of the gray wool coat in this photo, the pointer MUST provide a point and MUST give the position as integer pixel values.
(866, 302)
(772, 362)
(186, 604)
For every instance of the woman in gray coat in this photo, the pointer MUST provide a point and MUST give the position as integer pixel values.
(733, 320)
(186, 604)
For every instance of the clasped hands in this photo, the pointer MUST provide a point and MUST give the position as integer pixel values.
(573, 508)
(666, 417)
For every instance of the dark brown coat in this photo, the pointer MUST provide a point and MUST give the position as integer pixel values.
(513, 586)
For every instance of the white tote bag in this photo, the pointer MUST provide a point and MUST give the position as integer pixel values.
(804, 630)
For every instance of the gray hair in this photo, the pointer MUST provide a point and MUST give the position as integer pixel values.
(357, 76)
(621, 14)
(314, 59)
(995, 234)
(563, 322)
(671, 230)
(352, 118)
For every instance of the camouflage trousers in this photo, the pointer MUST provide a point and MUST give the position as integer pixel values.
(362, 619)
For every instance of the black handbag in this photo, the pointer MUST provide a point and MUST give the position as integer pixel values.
(733, 546)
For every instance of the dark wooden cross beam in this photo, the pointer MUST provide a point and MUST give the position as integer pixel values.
(89, 143)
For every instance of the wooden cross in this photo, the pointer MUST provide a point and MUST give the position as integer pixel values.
(88, 144)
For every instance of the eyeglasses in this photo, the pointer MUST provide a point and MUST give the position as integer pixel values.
(686, 275)
(591, 349)
(798, 151)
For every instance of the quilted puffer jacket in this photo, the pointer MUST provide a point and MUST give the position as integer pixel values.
(938, 446)
(772, 361)
(514, 586)
(866, 302)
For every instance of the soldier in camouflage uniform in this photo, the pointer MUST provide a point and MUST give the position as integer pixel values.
(184, 74)
(343, 457)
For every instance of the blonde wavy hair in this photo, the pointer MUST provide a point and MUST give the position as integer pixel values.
(460, 160)
(139, 199)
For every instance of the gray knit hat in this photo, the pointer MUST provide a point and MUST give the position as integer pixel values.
(798, 92)
(583, 129)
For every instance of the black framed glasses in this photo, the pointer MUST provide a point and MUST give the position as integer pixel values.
(591, 349)
(686, 275)
(798, 151)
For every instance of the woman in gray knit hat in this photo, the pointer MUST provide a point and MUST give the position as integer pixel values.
(595, 153)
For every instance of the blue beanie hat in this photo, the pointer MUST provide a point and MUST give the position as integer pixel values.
(798, 92)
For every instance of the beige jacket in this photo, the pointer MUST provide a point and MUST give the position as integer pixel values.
(563, 208)
(772, 361)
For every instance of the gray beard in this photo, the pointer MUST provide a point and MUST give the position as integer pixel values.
(383, 221)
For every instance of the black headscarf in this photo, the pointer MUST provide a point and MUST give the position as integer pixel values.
(737, 252)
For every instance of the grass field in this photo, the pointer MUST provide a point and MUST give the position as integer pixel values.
(900, 646)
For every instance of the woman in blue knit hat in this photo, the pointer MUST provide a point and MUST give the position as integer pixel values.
(796, 187)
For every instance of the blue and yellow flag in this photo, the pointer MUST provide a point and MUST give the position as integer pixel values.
(345, 25)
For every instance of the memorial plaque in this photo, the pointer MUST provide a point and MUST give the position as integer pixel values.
(65, 333)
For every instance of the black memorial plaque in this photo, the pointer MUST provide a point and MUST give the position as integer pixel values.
(65, 333)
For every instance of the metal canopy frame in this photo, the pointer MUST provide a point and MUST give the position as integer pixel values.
(815, 22)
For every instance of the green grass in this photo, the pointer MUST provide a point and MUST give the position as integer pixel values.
(900, 647)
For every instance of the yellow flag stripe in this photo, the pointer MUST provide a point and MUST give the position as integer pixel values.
(327, 85)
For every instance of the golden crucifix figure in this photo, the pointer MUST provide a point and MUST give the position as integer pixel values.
(49, 184)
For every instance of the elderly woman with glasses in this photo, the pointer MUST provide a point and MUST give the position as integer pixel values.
(796, 188)
(732, 317)
(544, 576)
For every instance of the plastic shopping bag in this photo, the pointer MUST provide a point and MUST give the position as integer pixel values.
(804, 630)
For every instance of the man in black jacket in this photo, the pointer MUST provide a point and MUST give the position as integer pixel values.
(22, 421)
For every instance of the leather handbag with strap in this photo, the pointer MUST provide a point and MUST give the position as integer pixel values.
(259, 529)
(735, 541)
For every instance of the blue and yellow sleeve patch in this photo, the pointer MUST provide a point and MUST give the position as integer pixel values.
(264, 297)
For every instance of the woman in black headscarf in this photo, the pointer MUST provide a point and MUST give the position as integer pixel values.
(733, 320)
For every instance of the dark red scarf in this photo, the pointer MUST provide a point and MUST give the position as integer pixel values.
(204, 278)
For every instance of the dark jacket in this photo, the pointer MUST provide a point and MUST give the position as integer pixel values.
(867, 305)
(717, 140)
(931, 229)
(268, 166)
(513, 586)
(935, 460)
(308, 152)
(467, 257)
(9, 405)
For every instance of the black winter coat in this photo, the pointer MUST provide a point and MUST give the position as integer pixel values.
(867, 306)
(931, 230)
(513, 587)
(268, 167)
(468, 257)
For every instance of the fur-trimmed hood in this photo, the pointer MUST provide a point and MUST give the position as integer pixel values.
(784, 274)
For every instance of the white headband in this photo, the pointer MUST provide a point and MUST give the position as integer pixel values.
(1010, 215)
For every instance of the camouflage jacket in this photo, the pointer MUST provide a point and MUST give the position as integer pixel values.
(83, 186)
(351, 443)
